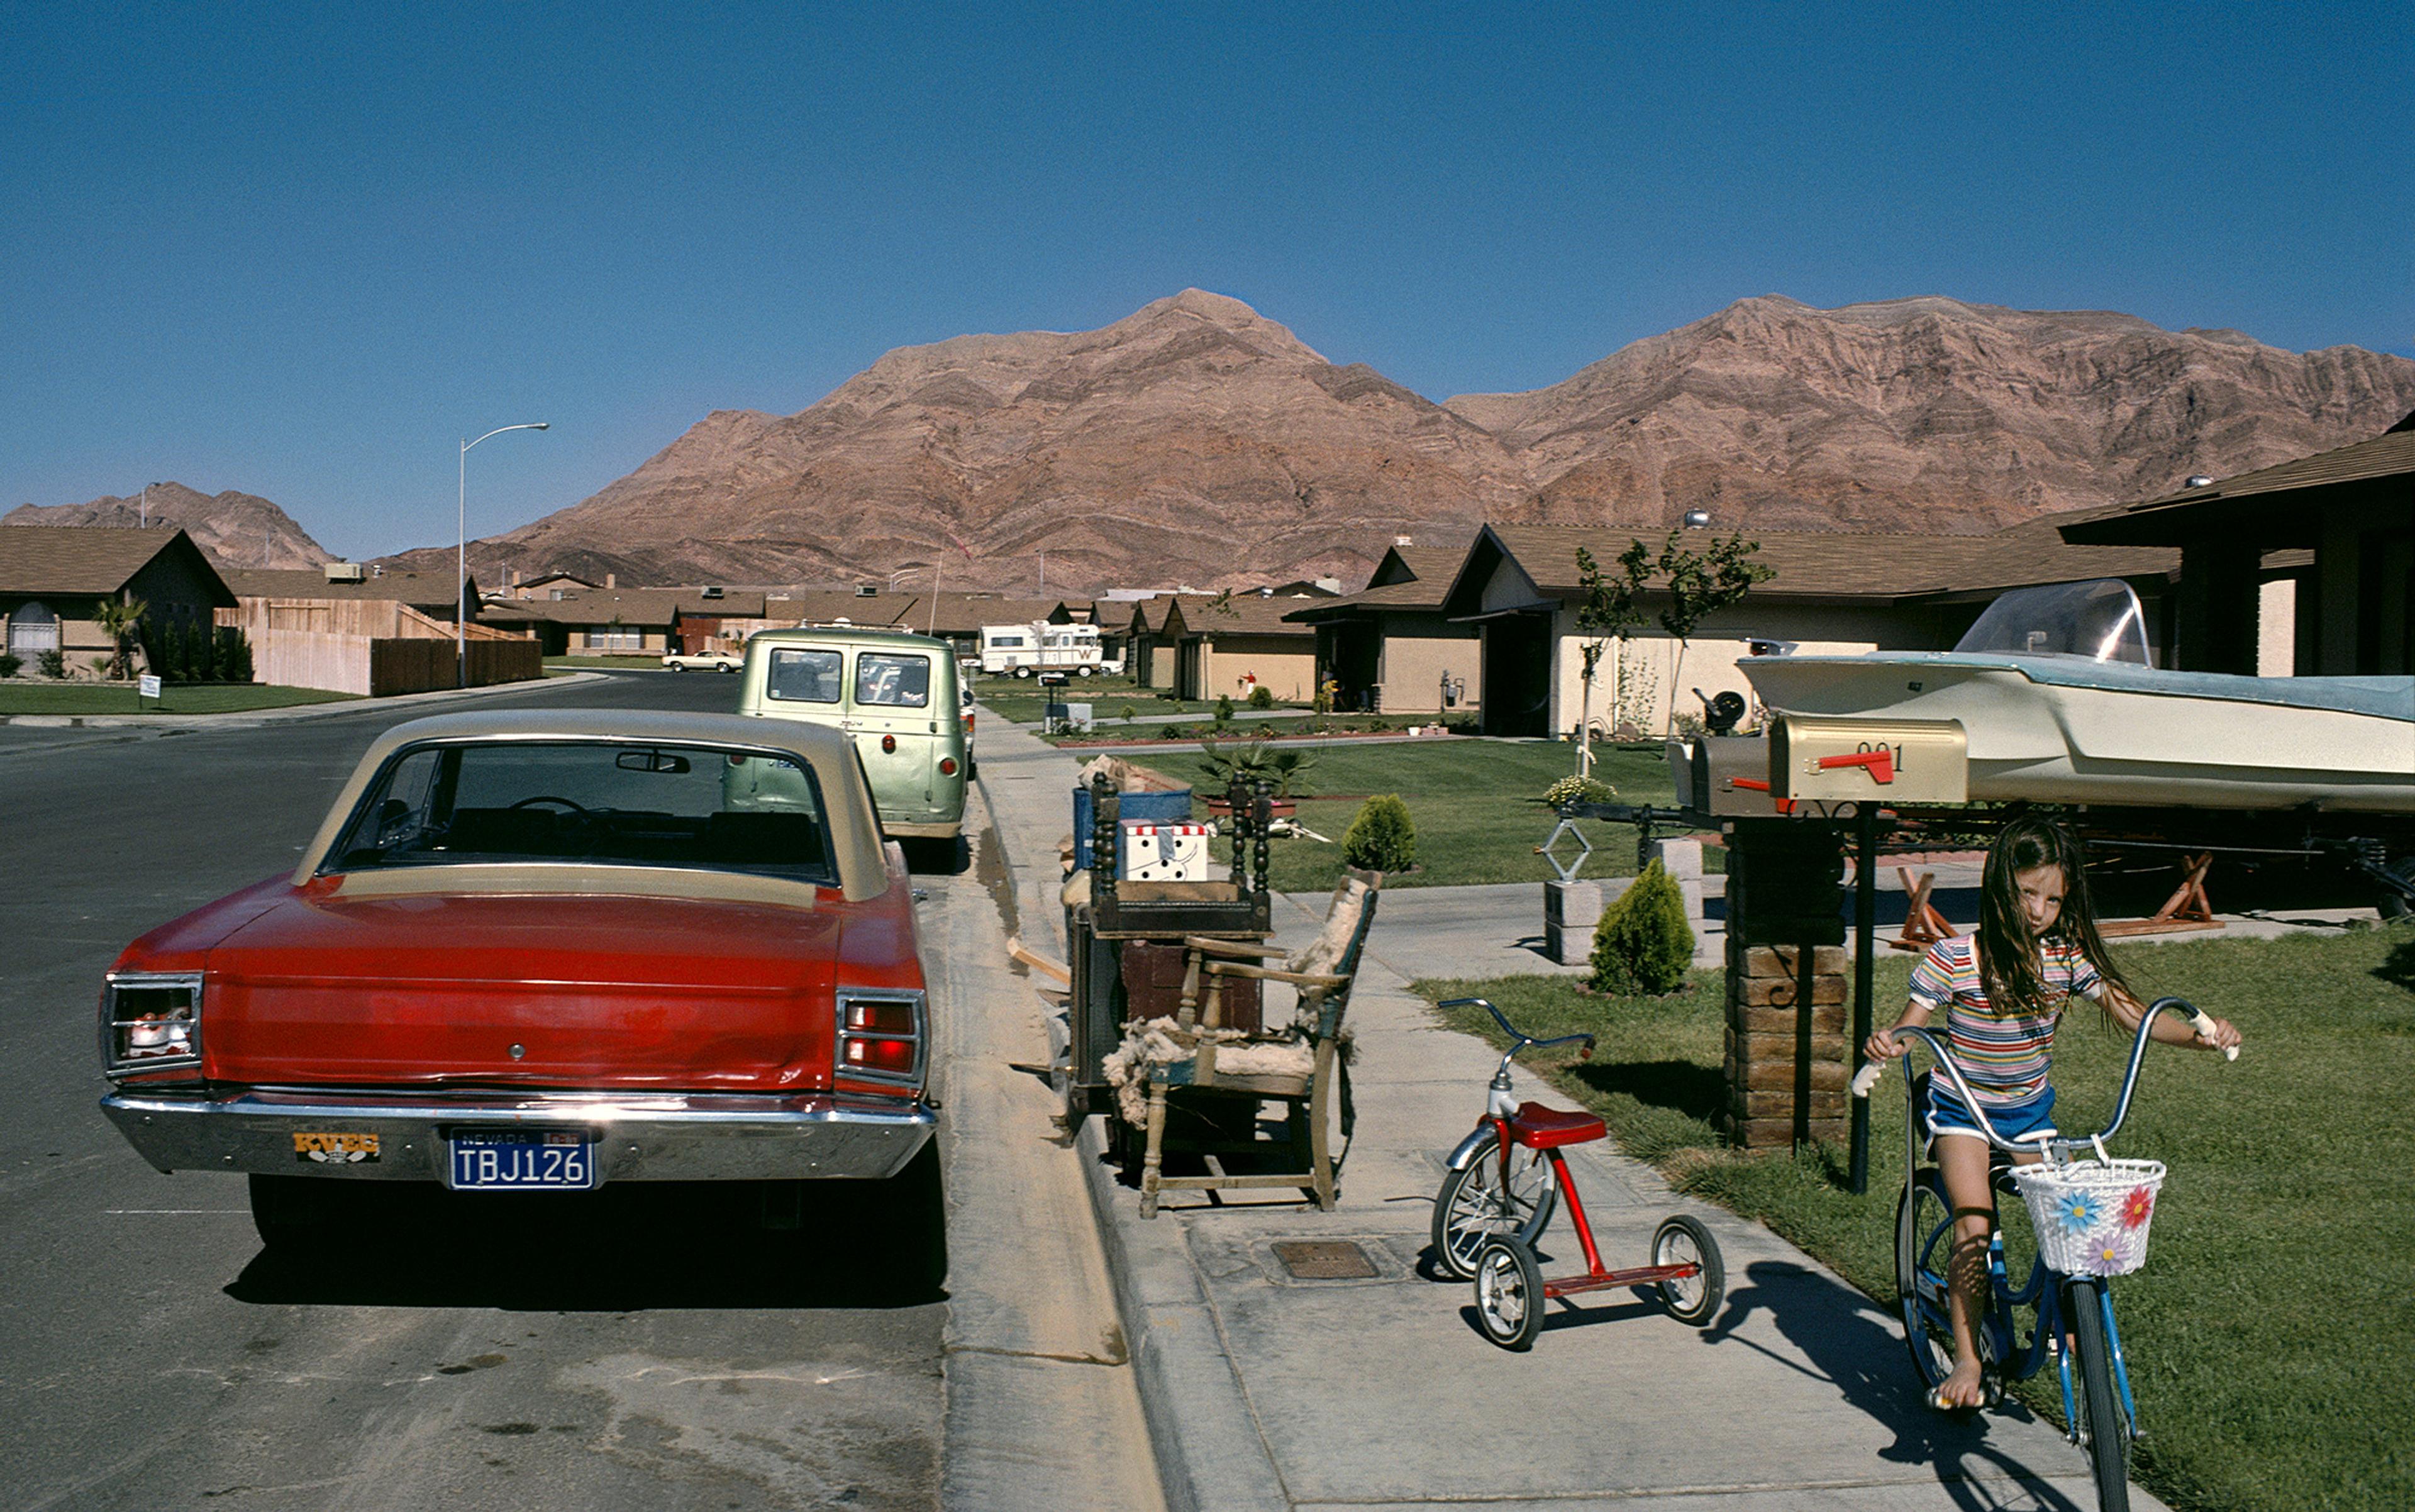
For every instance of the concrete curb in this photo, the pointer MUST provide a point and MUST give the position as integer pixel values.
(250, 718)
(1210, 1455)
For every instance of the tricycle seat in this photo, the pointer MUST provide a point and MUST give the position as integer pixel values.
(1540, 1127)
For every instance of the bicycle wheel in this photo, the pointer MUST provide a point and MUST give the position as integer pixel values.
(2097, 1414)
(1680, 1241)
(1473, 1207)
(1924, 1241)
(1508, 1292)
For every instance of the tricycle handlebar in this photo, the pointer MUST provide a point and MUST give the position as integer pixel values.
(1522, 1041)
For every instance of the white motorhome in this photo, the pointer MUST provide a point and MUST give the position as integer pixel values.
(1040, 647)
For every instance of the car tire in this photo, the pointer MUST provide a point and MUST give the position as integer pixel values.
(676, 667)
(724, 666)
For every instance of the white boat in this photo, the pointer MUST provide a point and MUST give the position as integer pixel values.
(2055, 692)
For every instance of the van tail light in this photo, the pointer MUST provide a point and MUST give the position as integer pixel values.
(889, 744)
(947, 766)
(150, 1020)
(881, 1035)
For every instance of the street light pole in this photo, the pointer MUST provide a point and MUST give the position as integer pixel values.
(461, 560)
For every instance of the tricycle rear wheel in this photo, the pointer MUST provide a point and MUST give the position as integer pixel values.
(1508, 1292)
(1690, 1299)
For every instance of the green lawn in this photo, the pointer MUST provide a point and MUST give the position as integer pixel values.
(1477, 806)
(204, 698)
(2267, 1338)
(1020, 700)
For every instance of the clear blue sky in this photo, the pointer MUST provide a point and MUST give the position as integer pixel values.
(303, 251)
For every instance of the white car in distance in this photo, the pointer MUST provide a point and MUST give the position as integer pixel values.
(705, 661)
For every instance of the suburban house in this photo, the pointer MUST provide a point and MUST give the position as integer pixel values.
(622, 621)
(54, 578)
(2307, 567)
(1231, 644)
(1835, 593)
(552, 584)
(1390, 648)
(371, 631)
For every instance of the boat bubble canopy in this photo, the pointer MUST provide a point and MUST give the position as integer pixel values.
(2097, 620)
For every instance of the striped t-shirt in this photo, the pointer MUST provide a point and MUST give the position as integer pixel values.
(2004, 1052)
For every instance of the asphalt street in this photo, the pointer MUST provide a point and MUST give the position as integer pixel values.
(648, 1349)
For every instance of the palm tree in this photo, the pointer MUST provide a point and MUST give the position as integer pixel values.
(117, 620)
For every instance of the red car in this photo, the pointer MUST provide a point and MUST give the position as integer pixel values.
(535, 951)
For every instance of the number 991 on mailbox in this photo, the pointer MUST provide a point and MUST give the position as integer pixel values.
(1833, 760)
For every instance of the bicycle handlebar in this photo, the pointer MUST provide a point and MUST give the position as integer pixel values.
(2199, 1019)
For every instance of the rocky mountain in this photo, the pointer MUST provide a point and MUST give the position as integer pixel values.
(235, 530)
(1196, 441)
(1926, 414)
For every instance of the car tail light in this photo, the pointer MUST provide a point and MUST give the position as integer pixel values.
(150, 1020)
(947, 766)
(881, 1035)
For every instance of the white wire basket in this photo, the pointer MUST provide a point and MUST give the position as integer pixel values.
(2092, 1216)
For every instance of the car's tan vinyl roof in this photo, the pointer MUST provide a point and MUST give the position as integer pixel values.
(855, 834)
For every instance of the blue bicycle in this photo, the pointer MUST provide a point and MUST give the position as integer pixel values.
(2090, 1216)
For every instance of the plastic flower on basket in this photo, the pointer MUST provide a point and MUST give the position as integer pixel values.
(2138, 1207)
(2078, 1211)
(2113, 1252)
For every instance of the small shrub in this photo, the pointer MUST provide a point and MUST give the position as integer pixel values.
(1262, 697)
(1644, 943)
(233, 657)
(1178, 732)
(52, 663)
(1126, 712)
(1224, 709)
(1383, 838)
(9, 663)
(1578, 790)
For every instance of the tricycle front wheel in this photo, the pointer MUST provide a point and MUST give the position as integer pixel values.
(1690, 1299)
(1474, 1206)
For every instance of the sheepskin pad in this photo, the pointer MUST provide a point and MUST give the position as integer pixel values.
(1164, 1042)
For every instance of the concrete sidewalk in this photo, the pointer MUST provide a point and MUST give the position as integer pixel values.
(1267, 1391)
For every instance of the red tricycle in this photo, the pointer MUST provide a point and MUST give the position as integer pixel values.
(1507, 1176)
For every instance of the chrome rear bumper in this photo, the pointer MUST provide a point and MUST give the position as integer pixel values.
(406, 1136)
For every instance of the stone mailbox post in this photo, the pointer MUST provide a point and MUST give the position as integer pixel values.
(1788, 1056)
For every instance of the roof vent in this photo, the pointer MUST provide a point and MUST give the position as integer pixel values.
(712, 592)
(1405, 540)
(2200, 480)
(347, 572)
(376, 569)
(867, 590)
(1697, 519)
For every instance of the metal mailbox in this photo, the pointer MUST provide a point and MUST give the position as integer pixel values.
(1730, 777)
(1840, 760)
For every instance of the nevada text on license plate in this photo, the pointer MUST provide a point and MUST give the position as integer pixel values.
(515, 1160)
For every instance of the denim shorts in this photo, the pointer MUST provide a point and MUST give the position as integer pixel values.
(2011, 1120)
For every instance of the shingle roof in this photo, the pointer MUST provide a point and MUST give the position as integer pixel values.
(1863, 565)
(2391, 455)
(418, 590)
(1244, 613)
(83, 558)
(628, 606)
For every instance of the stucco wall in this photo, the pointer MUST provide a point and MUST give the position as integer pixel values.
(1286, 664)
(1709, 660)
(1411, 669)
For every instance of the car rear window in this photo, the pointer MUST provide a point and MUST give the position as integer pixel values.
(593, 802)
(811, 676)
(891, 681)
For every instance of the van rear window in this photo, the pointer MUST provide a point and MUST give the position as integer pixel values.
(892, 680)
(804, 676)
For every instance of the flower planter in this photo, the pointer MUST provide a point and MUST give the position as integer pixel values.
(1284, 808)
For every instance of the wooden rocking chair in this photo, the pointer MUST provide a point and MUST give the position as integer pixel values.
(1321, 974)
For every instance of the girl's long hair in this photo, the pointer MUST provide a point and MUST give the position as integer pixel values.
(2009, 960)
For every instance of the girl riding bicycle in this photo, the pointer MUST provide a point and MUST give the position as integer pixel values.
(2003, 991)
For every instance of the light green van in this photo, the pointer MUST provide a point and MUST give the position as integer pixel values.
(895, 694)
